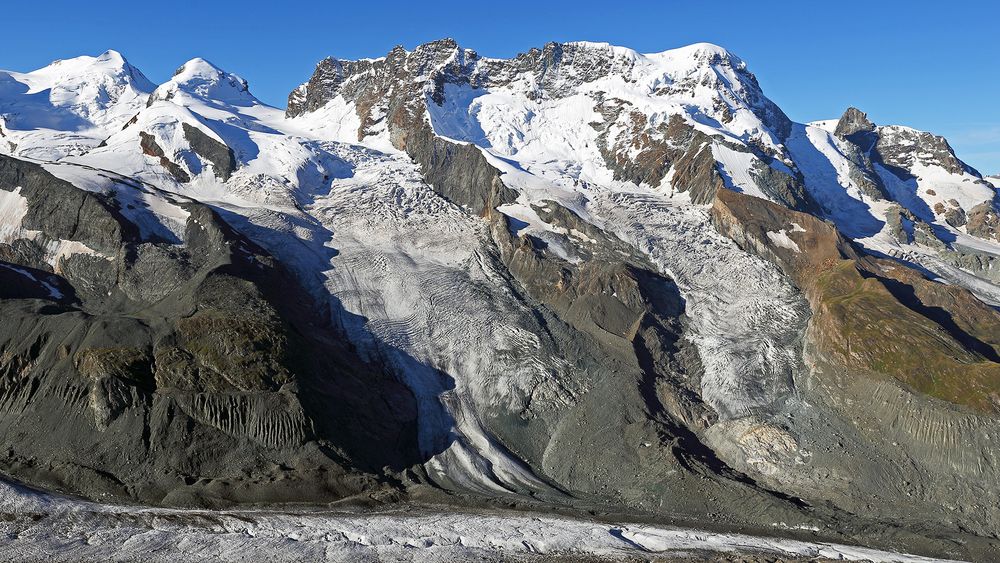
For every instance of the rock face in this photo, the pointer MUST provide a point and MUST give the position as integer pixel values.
(903, 148)
(900, 149)
(217, 382)
(458, 172)
(221, 156)
(617, 298)
(983, 221)
(151, 148)
(855, 127)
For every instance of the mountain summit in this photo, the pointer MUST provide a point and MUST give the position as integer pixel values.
(75, 101)
(202, 79)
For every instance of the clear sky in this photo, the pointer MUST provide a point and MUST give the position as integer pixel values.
(929, 65)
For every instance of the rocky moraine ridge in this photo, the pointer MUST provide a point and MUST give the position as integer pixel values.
(580, 279)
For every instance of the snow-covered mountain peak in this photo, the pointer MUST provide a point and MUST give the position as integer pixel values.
(111, 57)
(85, 86)
(83, 99)
(109, 60)
(198, 68)
(699, 55)
(110, 63)
(564, 67)
(631, 64)
(704, 82)
(202, 79)
(558, 69)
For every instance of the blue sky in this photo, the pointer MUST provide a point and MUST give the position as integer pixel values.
(929, 65)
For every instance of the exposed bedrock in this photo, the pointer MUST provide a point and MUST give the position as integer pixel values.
(221, 156)
(617, 301)
(181, 374)
(61, 211)
(855, 126)
(151, 148)
(983, 221)
(622, 323)
(981, 264)
(458, 172)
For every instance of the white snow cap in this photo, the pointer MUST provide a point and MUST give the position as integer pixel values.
(112, 57)
(109, 59)
(82, 92)
(63, 73)
(694, 50)
(701, 51)
(109, 65)
(202, 79)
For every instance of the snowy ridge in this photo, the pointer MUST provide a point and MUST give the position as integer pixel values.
(705, 83)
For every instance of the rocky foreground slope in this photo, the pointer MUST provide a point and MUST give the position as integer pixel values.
(580, 278)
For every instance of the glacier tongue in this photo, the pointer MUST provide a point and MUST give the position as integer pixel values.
(408, 275)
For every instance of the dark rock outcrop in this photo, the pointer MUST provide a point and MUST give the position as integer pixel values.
(697, 172)
(855, 126)
(151, 148)
(901, 148)
(983, 221)
(459, 172)
(221, 156)
(61, 211)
